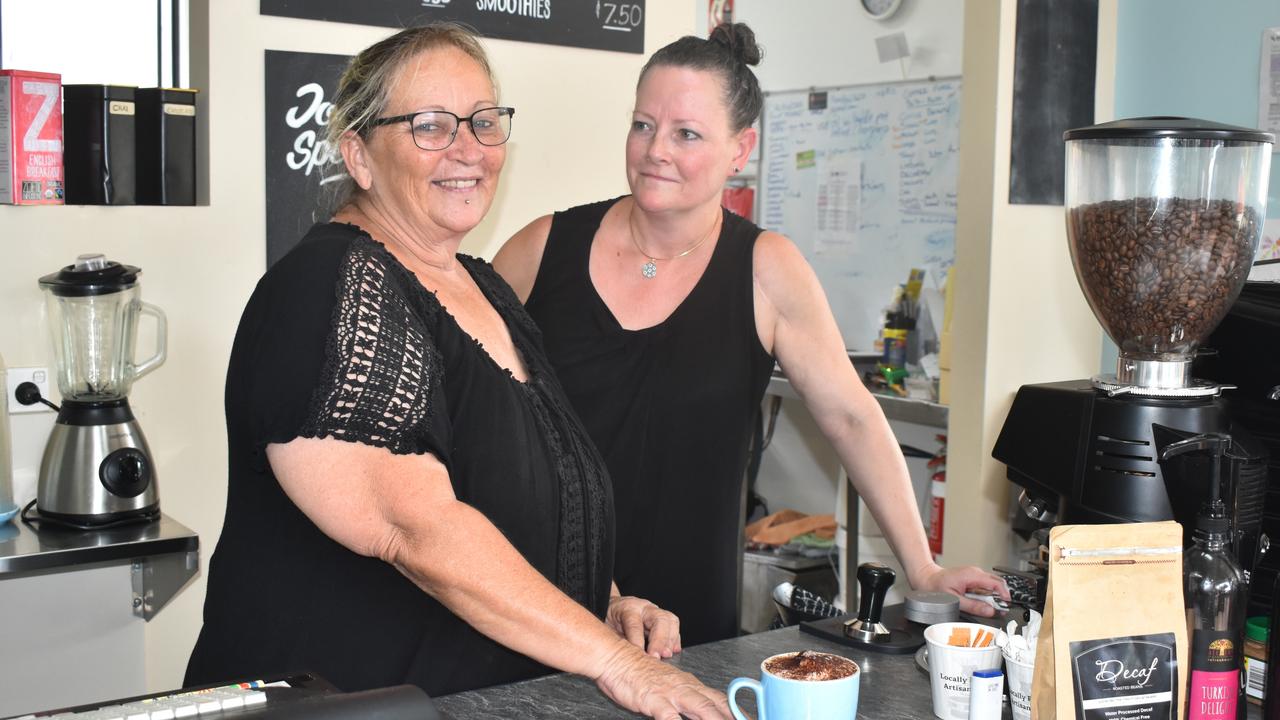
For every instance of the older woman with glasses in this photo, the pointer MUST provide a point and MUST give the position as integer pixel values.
(410, 497)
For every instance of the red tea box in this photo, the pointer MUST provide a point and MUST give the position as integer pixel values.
(30, 138)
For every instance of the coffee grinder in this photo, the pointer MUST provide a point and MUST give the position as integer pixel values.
(1163, 217)
(97, 470)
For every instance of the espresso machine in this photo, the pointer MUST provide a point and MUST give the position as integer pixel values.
(97, 470)
(1163, 218)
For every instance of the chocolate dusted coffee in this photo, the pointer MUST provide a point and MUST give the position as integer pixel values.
(810, 665)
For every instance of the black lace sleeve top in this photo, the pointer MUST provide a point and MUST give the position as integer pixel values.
(341, 341)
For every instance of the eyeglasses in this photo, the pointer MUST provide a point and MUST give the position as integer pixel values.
(436, 129)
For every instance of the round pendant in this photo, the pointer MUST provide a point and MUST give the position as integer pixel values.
(650, 270)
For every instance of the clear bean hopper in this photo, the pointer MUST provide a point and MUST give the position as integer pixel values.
(1163, 218)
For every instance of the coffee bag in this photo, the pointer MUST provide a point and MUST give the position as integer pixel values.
(1113, 644)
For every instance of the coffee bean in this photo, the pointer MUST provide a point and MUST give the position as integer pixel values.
(1161, 272)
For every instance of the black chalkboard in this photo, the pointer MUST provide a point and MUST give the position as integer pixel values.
(297, 110)
(600, 25)
(1055, 58)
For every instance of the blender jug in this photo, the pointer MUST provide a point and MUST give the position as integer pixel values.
(92, 309)
(97, 469)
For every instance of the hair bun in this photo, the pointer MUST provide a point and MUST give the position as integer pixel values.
(740, 40)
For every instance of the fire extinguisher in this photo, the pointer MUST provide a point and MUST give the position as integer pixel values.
(937, 497)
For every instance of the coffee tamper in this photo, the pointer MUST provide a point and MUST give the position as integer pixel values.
(874, 581)
(876, 628)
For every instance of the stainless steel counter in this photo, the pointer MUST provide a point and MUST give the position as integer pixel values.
(79, 601)
(24, 549)
(921, 412)
(163, 555)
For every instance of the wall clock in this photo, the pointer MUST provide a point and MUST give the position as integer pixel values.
(880, 9)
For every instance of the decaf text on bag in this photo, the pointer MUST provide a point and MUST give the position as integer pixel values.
(1129, 677)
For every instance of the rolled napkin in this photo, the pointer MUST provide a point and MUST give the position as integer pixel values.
(1021, 648)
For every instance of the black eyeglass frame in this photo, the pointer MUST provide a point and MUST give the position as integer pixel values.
(510, 112)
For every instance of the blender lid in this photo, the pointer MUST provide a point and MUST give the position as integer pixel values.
(1158, 128)
(91, 274)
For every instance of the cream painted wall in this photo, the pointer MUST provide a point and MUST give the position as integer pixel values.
(1019, 315)
(201, 263)
(821, 43)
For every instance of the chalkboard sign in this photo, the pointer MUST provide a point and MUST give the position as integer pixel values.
(866, 188)
(600, 25)
(1055, 58)
(298, 86)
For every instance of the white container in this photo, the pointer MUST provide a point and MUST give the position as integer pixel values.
(951, 667)
(7, 508)
(986, 694)
(1019, 674)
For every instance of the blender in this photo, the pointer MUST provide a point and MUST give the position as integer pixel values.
(97, 470)
(1163, 218)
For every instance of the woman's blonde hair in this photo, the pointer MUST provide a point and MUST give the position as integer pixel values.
(365, 89)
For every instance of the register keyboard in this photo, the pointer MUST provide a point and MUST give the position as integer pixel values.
(296, 696)
(169, 707)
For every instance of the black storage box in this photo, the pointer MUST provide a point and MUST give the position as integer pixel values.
(166, 125)
(98, 156)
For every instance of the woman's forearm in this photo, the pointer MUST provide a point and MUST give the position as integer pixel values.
(870, 455)
(467, 564)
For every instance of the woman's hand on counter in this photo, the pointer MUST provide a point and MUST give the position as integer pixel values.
(643, 684)
(960, 580)
(641, 622)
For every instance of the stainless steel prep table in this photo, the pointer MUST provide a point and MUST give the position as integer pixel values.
(74, 607)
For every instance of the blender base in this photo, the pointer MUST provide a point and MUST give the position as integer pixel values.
(31, 515)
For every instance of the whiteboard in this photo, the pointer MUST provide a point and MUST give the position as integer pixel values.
(866, 188)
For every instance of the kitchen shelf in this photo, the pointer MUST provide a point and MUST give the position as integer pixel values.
(903, 409)
(163, 555)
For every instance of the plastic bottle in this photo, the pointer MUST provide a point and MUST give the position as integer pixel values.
(1257, 631)
(6, 459)
(1271, 691)
(1214, 595)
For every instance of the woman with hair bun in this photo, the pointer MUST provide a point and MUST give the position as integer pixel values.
(663, 314)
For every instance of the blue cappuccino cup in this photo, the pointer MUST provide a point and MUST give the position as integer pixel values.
(787, 691)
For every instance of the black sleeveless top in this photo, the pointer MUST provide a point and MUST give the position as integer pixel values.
(671, 408)
(340, 340)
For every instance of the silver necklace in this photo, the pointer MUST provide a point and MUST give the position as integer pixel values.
(650, 269)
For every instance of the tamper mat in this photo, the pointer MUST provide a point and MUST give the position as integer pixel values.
(905, 637)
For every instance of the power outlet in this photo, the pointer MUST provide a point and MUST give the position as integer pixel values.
(15, 377)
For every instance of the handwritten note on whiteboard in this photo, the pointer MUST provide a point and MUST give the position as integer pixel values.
(901, 143)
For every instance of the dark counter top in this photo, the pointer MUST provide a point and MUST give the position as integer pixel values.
(24, 549)
(892, 687)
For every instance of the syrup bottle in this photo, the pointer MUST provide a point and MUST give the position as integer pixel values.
(1214, 594)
